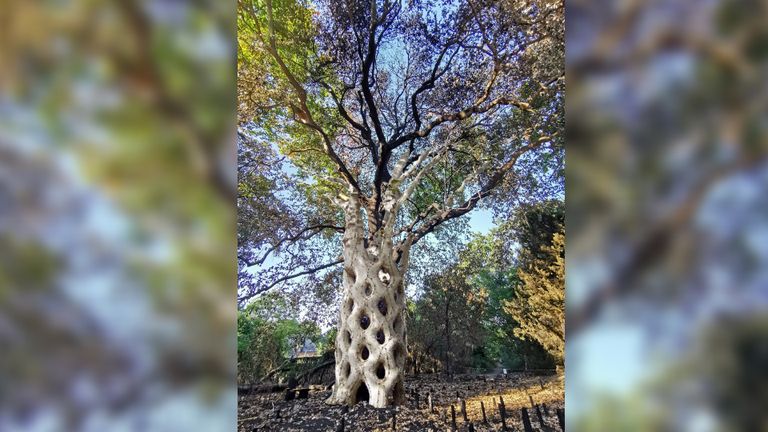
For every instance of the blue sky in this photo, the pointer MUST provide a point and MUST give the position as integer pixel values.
(481, 220)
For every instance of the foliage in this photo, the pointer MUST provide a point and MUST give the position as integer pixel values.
(727, 364)
(538, 301)
(459, 322)
(267, 336)
(502, 343)
(628, 413)
(117, 212)
(465, 96)
(445, 326)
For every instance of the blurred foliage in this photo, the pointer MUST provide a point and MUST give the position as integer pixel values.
(727, 363)
(628, 414)
(118, 156)
(666, 210)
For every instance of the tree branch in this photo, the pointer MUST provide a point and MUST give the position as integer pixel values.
(302, 111)
(319, 228)
(469, 204)
(289, 277)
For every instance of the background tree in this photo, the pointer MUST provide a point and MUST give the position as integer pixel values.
(538, 305)
(447, 322)
(459, 321)
(502, 344)
(268, 333)
(404, 116)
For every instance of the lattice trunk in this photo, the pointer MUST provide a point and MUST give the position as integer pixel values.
(371, 344)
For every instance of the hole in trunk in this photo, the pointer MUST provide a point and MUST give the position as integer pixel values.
(382, 305)
(364, 353)
(380, 337)
(347, 370)
(397, 324)
(362, 393)
(364, 321)
(384, 277)
(350, 305)
(367, 289)
(349, 337)
(380, 371)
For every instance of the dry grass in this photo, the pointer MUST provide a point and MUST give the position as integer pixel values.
(552, 394)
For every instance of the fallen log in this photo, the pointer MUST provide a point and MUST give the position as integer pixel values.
(265, 388)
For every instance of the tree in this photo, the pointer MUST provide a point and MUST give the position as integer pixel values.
(448, 321)
(502, 343)
(267, 333)
(404, 116)
(538, 306)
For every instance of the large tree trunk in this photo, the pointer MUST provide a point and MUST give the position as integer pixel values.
(371, 344)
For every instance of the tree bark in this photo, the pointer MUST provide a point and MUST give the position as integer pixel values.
(370, 344)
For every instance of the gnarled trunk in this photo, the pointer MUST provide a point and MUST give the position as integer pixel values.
(371, 343)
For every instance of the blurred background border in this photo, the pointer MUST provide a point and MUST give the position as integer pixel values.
(117, 227)
(666, 214)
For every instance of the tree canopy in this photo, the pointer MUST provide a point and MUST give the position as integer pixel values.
(423, 110)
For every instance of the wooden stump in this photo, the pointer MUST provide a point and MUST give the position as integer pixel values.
(538, 414)
(464, 410)
(527, 427)
(289, 395)
(453, 417)
(503, 414)
(482, 408)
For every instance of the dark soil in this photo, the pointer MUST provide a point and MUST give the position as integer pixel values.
(270, 412)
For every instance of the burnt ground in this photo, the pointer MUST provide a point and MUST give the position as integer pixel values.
(270, 412)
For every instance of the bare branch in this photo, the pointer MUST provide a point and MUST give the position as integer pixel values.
(469, 204)
(286, 278)
(297, 236)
